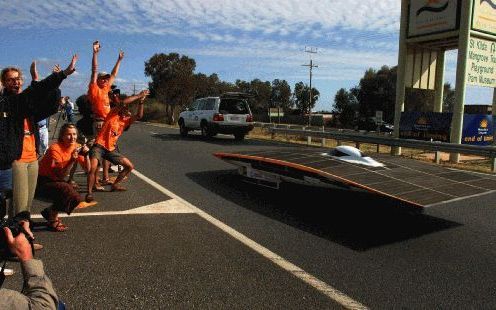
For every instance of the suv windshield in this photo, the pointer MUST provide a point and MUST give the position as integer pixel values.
(233, 106)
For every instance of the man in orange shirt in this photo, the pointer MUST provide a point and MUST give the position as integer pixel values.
(116, 122)
(98, 89)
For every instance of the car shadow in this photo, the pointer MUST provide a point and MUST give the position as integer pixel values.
(355, 219)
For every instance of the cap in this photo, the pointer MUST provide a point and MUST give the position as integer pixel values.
(103, 75)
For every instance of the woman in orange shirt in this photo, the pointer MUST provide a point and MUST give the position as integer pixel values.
(54, 168)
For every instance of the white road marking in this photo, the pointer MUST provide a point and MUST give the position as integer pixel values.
(163, 207)
(321, 286)
(459, 198)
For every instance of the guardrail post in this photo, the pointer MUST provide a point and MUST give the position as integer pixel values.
(338, 142)
(378, 148)
(437, 157)
(493, 164)
(309, 139)
(357, 145)
(323, 139)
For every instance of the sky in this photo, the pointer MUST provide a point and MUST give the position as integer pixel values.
(236, 39)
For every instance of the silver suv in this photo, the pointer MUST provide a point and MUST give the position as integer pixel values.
(227, 114)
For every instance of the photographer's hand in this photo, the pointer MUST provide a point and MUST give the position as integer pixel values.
(85, 149)
(25, 225)
(19, 246)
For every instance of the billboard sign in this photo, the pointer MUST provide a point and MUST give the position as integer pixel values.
(432, 16)
(481, 65)
(425, 126)
(477, 129)
(484, 17)
(434, 126)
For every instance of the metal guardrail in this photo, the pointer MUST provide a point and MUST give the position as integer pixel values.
(375, 138)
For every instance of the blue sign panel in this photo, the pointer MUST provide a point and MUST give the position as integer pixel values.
(477, 129)
(425, 126)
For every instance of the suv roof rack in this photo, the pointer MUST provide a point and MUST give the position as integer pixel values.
(236, 95)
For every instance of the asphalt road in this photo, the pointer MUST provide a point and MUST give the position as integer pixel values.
(364, 246)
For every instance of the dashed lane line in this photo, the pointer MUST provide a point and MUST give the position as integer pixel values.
(319, 285)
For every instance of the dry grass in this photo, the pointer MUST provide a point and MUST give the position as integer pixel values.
(154, 111)
(472, 163)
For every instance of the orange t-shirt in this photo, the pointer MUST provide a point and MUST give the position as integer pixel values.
(99, 99)
(112, 128)
(28, 145)
(56, 158)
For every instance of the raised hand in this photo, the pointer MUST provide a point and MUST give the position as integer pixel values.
(72, 66)
(33, 71)
(121, 54)
(56, 68)
(96, 47)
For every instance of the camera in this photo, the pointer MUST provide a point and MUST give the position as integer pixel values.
(82, 141)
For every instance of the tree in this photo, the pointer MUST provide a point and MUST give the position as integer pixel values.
(302, 97)
(345, 104)
(211, 85)
(173, 82)
(262, 91)
(281, 93)
(422, 100)
(449, 98)
(243, 86)
(205, 85)
(377, 91)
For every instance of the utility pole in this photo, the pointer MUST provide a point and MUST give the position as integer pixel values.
(311, 50)
(134, 89)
